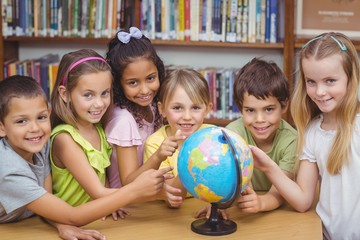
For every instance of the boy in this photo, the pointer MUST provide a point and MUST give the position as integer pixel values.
(261, 93)
(25, 179)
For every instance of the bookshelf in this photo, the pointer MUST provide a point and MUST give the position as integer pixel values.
(9, 47)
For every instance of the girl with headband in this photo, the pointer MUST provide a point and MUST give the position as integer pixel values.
(79, 152)
(138, 73)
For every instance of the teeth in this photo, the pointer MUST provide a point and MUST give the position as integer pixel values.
(34, 139)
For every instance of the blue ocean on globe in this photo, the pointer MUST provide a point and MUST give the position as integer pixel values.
(207, 168)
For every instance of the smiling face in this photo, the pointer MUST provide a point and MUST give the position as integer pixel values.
(182, 113)
(140, 81)
(27, 125)
(91, 97)
(326, 82)
(262, 118)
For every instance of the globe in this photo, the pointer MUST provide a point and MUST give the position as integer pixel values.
(215, 165)
(207, 168)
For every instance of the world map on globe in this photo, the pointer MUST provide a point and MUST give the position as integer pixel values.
(207, 168)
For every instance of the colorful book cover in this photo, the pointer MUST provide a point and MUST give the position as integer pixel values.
(273, 21)
(181, 23)
(187, 15)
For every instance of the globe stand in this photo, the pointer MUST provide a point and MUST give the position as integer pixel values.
(215, 225)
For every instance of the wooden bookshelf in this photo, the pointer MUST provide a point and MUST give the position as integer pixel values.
(9, 47)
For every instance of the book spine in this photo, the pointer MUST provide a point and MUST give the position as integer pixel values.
(273, 20)
(187, 29)
(181, 10)
(239, 21)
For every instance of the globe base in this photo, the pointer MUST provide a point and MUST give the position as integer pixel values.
(214, 226)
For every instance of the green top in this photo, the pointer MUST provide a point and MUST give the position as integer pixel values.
(64, 184)
(282, 151)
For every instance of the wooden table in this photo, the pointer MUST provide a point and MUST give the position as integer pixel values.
(155, 221)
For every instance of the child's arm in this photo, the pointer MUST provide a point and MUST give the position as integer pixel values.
(154, 154)
(299, 194)
(142, 189)
(67, 231)
(68, 154)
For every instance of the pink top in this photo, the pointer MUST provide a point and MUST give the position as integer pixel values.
(122, 130)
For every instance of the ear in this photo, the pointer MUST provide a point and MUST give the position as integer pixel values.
(63, 93)
(2, 130)
(285, 108)
(160, 107)
(209, 107)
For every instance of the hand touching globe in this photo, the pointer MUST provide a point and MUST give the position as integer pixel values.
(215, 165)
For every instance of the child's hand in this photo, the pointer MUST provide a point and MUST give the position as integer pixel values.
(150, 183)
(69, 232)
(205, 211)
(172, 196)
(121, 213)
(249, 201)
(262, 161)
(169, 145)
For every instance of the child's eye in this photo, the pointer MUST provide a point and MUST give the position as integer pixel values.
(43, 117)
(176, 107)
(88, 95)
(21, 121)
(151, 78)
(249, 110)
(132, 83)
(196, 107)
(106, 93)
(269, 109)
(310, 82)
(330, 81)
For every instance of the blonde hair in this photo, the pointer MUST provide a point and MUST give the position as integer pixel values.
(194, 84)
(303, 109)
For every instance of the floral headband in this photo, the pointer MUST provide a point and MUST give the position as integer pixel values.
(125, 37)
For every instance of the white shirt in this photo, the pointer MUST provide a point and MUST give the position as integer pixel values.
(338, 206)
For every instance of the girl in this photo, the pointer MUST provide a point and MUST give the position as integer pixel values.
(184, 101)
(138, 72)
(79, 152)
(325, 109)
(25, 184)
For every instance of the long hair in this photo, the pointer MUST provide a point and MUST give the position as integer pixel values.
(119, 55)
(303, 109)
(63, 112)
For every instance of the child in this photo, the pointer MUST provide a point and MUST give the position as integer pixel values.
(138, 72)
(184, 101)
(325, 109)
(261, 93)
(25, 183)
(79, 151)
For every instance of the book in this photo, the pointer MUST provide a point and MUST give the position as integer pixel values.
(273, 20)
(42, 72)
(187, 15)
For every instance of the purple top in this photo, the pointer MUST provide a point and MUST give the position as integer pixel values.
(122, 130)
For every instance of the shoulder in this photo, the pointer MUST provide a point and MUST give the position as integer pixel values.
(120, 119)
(286, 129)
(157, 136)
(237, 126)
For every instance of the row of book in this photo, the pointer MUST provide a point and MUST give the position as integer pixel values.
(220, 80)
(43, 70)
(211, 20)
(196, 20)
(66, 18)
